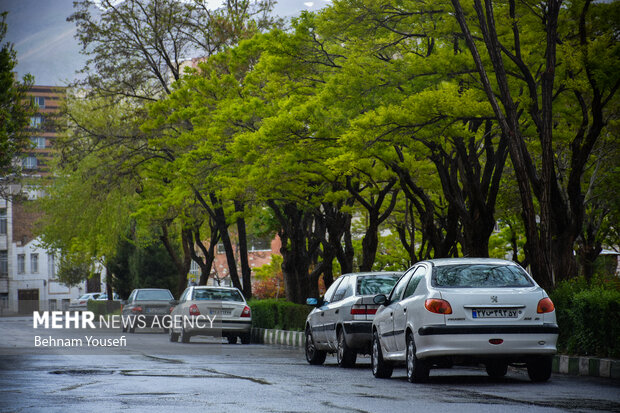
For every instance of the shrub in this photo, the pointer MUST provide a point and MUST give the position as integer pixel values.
(103, 307)
(279, 314)
(589, 317)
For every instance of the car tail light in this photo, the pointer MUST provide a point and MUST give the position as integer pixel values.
(82, 302)
(360, 309)
(137, 309)
(246, 312)
(545, 306)
(193, 310)
(435, 305)
(171, 308)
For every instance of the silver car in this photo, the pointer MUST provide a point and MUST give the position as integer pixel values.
(211, 311)
(451, 311)
(81, 303)
(341, 322)
(146, 308)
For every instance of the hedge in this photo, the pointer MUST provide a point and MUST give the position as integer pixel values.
(102, 307)
(588, 317)
(279, 314)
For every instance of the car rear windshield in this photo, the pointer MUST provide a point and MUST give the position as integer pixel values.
(375, 284)
(154, 295)
(480, 276)
(219, 295)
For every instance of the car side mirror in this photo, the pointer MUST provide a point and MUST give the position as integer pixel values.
(312, 301)
(380, 299)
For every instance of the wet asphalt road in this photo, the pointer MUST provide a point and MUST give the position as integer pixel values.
(152, 374)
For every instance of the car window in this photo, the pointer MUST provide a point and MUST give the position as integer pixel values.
(332, 288)
(376, 284)
(397, 292)
(132, 296)
(480, 276)
(418, 275)
(217, 294)
(184, 295)
(342, 290)
(154, 295)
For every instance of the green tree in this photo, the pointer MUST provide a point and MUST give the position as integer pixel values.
(15, 112)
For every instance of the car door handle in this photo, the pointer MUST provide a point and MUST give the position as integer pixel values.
(336, 311)
(404, 310)
(391, 314)
(322, 314)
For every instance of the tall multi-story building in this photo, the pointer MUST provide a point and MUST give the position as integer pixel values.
(28, 278)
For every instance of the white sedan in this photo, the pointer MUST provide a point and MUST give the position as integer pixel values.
(463, 311)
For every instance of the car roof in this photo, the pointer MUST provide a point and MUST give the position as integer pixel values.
(151, 289)
(459, 261)
(371, 273)
(214, 287)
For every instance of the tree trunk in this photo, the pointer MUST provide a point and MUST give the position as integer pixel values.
(246, 272)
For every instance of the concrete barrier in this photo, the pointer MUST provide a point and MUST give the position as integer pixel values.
(281, 337)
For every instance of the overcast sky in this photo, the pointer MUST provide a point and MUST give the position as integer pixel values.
(44, 39)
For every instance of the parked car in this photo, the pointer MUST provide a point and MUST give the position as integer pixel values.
(342, 320)
(146, 304)
(104, 296)
(452, 311)
(225, 306)
(80, 304)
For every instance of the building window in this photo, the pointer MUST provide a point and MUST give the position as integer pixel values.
(36, 121)
(34, 263)
(39, 101)
(259, 244)
(38, 142)
(4, 301)
(30, 162)
(51, 265)
(2, 221)
(21, 263)
(4, 263)
(53, 304)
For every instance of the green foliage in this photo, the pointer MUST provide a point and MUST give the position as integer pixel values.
(103, 307)
(588, 316)
(74, 268)
(279, 314)
(15, 110)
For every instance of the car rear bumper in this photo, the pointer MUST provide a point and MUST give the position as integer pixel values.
(221, 328)
(358, 333)
(433, 341)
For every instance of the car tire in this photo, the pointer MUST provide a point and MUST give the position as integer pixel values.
(313, 356)
(497, 368)
(132, 327)
(232, 339)
(381, 369)
(184, 336)
(539, 368)
(245, 338)
(123, 327)
(344, 355)
(417, 370)
(174, 337)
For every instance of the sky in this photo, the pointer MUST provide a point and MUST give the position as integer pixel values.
(45, 43)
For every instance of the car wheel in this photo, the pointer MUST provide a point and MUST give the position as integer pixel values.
(184, 336)
(123, 327)
(232, 339)
(132, 327)
(345, 356)
(539, 368)
(245, 338)
(174, 337)
(496, 368)
(313, 355)
(381, 369)
(417, 370)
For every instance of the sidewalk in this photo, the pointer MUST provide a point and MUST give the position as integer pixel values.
(573, 365)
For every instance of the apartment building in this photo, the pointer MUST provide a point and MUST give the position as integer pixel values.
(28, 272)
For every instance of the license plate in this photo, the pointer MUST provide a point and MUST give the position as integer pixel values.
(153, 311)
(495, 313)
(220, 312)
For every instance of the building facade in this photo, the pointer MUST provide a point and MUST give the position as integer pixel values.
(28, 278)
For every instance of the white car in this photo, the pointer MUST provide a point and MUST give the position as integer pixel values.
(217, 311)
(80, 304)
(463, 311)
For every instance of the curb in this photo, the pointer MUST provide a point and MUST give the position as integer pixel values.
(282, 337)
(586, 366)
(571, 365)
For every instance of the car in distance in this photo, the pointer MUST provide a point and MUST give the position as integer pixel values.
(146, 304)
(342, 320)
(80, 304)
(462, 311)
(104, 296)
(224, 306)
